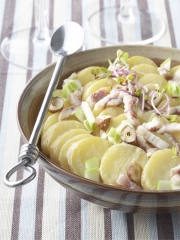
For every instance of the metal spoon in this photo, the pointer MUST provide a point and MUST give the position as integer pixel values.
(66, 40)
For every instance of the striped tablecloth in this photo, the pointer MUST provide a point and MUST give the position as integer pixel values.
(43, 209)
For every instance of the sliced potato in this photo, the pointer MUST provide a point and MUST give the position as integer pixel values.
(175, 69)
(158, 168)
(55, 130)
(115, 122)
(117, 159)
(102, 83)
(85, 75)
(58, 143)
(143, 69)
(173, 103)
(86, 149)
(52, 119)
(47, 115)
(153, 78)
(112, 111)
(62, 158)
(135, 60)
(86, 87)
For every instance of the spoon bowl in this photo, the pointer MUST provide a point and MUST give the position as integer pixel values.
(67, 39)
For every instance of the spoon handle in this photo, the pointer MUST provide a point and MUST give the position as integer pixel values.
(46, 102)
(29, 152)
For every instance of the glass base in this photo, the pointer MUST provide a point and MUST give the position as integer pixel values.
(135, 27)
(25, 49)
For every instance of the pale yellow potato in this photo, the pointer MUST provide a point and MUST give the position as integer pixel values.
(135, 60)
(85, 75)
(115, 122)
(112, 111)
(52, 119)
(158, 168)
(175, 69)
(145, 116)
(47, 115)
(173, 103)
(98, 84)
(86, 149)
(62, 158)
(55, 130)
(58, 143)
(153, 78)
(143, 69)
(117, 159)
(88, 85)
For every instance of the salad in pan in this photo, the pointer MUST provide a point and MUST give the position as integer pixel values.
(119, 125)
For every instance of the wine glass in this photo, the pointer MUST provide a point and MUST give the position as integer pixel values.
(126, 24)
(18, 47)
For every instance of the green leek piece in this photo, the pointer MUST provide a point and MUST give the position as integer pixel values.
(173, 118)
(117, 138)
(92, 174)
(65, 91)
(164, 185)
(113, 136)
(89, 126)
(88, 113)
(92, 162)
(80, 115)
(70, 89)
(173, 88)
(166, 64)
(73, 85)
(112, 132)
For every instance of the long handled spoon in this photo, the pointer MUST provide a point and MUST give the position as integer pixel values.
(66, 40)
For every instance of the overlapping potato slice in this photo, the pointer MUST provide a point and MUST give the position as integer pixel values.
(115, 122)
(55, 130)
(153, 79)
(102, 83)
(135, 60)
(112, 111)
(62, 158)
(86, 75)
(117, 159)
(175, 69)
(173, 103)
(86, 149)
(52, 119)
(58, 143)
(143, 69)
(158, 168)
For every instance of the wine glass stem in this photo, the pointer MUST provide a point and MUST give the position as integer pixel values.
(125, 7)
(42, 19)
